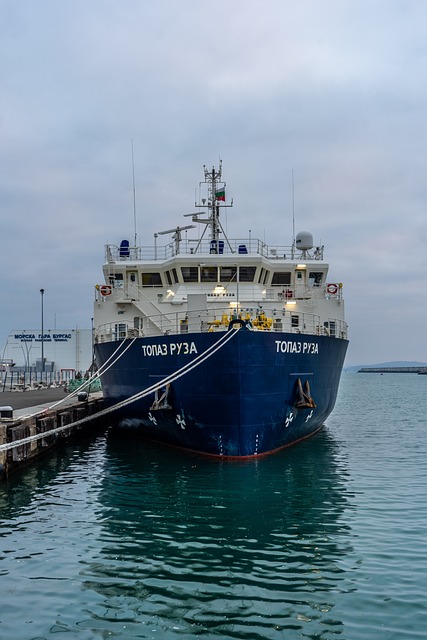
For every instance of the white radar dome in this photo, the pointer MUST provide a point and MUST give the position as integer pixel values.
(304, 240)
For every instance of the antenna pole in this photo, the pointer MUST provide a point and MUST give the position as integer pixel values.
(134, 195)
(293, 214)
(293, 207)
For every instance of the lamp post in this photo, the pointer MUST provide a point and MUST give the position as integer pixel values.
(42, 294)
(92, 344)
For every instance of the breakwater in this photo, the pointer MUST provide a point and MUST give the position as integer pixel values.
(421, 370)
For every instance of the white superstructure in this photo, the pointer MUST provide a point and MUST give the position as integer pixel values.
(202, 283)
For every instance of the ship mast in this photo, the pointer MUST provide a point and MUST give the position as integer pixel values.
(213, 179)
(214, 188)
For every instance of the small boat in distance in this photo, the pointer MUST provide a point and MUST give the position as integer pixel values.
(227, 347)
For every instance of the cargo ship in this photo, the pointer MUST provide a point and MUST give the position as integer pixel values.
(226, 347)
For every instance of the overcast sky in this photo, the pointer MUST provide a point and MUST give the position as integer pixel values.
(333, 90)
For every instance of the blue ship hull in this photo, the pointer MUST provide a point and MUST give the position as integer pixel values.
(240, 401)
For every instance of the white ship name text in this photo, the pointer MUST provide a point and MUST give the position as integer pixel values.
(174, 348)
(295, 346)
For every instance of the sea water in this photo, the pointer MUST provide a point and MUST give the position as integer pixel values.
(126, 539)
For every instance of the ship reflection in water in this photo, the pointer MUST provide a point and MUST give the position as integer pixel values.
(246, 549)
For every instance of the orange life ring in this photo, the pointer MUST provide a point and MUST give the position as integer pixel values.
(105, 290)
(331, 288)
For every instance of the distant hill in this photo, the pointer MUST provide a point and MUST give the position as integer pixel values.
(382, 365)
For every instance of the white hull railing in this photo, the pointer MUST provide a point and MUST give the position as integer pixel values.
(207, 321)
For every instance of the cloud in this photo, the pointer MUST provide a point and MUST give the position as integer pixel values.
(330, 92)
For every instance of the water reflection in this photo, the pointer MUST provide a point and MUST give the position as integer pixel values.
(235, 549)
(19, 490)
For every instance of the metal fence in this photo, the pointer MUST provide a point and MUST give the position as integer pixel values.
(22, 380)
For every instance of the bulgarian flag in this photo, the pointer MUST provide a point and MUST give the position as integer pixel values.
(220, 194)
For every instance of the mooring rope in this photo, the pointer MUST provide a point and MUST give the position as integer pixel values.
(87, 382)
(178, 374)
(141, 394)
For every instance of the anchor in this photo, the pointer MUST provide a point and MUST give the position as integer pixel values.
(304, 399)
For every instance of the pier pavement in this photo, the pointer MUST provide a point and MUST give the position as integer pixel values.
(26, 399)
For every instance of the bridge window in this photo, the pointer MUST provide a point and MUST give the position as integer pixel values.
(281, 278)
(209, 274)
(315, 278)
(190, 274)
(247, 274)
(228, 274)
(151, 280)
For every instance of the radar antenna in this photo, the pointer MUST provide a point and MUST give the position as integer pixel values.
(176, 237)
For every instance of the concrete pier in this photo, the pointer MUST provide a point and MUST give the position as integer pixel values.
(41, 412)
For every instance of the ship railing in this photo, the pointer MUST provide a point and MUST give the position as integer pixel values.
(237, 246)
(204, 321)
(119, 291)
